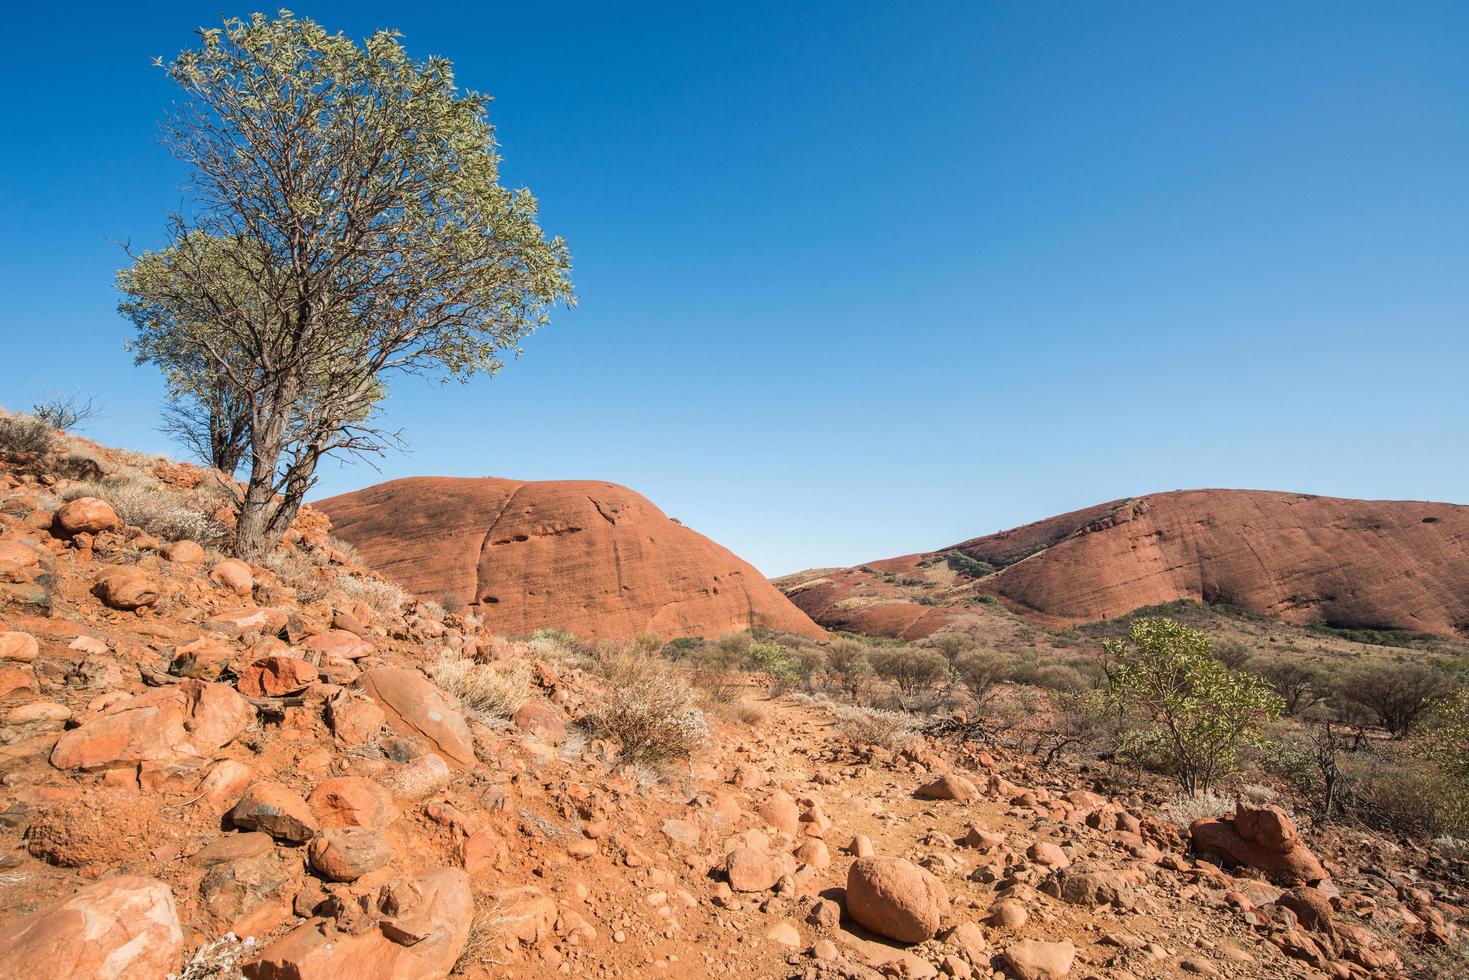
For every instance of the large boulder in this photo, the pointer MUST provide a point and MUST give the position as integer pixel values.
(126, 587)
(590, 557)
(192, 719)
(122, 928)
(84, 515)
(1035, 959)
(1262, 838)
(896, 898)
(415, 706)
(424, 924)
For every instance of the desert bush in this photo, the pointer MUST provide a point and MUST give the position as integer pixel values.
(785, 670)
(1299, 685)
(683, 647)
(24, 434)
(1190, 713)
(1234, 654)
(848, 666)
(66, 412)
(650, 710)
(874, 726)
(171, 515)
(496, 690)
(913, 670)
(1395, 696)
(980, 671)
(1395, 789)
(387, 598)
(1060, 677)
(299, 570)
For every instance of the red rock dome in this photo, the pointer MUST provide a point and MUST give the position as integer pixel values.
(593, 558)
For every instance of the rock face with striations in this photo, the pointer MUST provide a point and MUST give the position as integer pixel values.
(1382, 564)
(593, 558)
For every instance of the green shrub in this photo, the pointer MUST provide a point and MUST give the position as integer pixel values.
(980, 671)
(913, 670)
(1191, 713)
(848, 666)
(968, 566)
(1395, 696)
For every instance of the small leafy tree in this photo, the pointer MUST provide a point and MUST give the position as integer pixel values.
(981, 671)
(1396, 696)
(1190, 714)
(1299, 685)
(355, 192)
(848, 666)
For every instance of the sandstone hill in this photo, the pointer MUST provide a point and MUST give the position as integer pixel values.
(592, 558)
(1375, 564)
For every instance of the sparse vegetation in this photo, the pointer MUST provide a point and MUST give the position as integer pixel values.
(143, 502)
(1395, 696)
(67, 412)
(384, 596)
(21, 433)
(494, 690)
(650, 711)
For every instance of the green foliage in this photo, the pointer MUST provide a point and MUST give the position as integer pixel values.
(980, 671)
(1190, 713)
(785, 670)
(1395, 696)
(967, 566)
(1299, 684)
(915, 671)
(848, 665)
(347, 222)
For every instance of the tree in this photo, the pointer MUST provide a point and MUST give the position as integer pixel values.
(357, 192)
(1397, 696)
(1298, 684)
(1190, 712)
(981, 671)
(848, 665)
(913, 670)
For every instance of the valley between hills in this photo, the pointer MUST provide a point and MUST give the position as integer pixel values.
(494, 728)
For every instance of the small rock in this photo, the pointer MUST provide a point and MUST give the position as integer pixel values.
(276, 810)
(1033, 959)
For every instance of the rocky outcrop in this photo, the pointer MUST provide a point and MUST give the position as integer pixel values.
(1379, 564)
(123, 928)
(592, 558)
(1264, 839)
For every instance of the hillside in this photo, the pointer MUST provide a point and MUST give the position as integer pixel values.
(1295, 558)
(592, 558)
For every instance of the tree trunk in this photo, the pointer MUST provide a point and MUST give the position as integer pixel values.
(255, 535)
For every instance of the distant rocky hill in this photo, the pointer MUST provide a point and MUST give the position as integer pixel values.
(590, 557)
(1378, 564)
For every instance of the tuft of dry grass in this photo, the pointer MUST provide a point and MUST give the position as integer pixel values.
(142, 502)
(650, 710)
(20, 433)
(1185, 809)
(387, 598)
(495, 690)
(217, 960)
(873, 726)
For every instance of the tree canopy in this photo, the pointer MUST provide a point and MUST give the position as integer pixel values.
(345, 222)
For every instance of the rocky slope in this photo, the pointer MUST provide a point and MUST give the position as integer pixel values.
(592, 558)
(1401, 565)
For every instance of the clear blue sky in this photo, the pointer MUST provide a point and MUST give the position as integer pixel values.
(859, 279)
